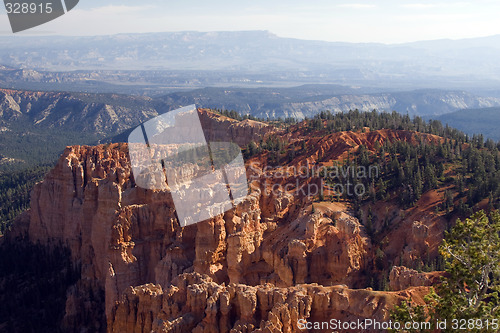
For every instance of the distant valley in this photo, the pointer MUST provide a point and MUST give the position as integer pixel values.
(256, 58)
(473, 121)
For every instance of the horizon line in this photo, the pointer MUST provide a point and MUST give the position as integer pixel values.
(53, 34)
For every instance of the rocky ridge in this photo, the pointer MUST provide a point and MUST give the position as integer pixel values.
(97, 114)
(285, 103)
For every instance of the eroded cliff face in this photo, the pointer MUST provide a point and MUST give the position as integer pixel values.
(195, 303)
(402, 278)
(123, 236)
(219, 128)
(256, 268)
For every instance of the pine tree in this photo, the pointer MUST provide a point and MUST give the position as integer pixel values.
(430, 178)
(417, 185)
(471, 288)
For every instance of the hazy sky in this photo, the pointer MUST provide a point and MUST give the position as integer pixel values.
(386, 21)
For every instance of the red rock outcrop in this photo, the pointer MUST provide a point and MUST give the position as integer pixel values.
(195, 303)
(224, 128)
(401, 278)
(256, 268)
(335, 145)
(123, 236)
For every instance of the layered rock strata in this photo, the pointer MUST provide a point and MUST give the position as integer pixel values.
(259, 267)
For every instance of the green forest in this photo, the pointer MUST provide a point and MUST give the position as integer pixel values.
(468, 165)
(26, 155)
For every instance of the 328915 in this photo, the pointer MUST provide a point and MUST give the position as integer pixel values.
(28, 8)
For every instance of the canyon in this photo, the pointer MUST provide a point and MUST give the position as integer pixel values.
(275, 258)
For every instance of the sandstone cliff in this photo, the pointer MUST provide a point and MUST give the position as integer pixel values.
(195, 303)
(259, 267)
(402, 278)
(241, 132)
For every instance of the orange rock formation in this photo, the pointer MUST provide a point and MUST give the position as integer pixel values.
(257, 268)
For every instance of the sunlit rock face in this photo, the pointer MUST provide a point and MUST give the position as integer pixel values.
(260, 266)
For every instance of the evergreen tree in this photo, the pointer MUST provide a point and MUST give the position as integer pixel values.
(471, 289)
